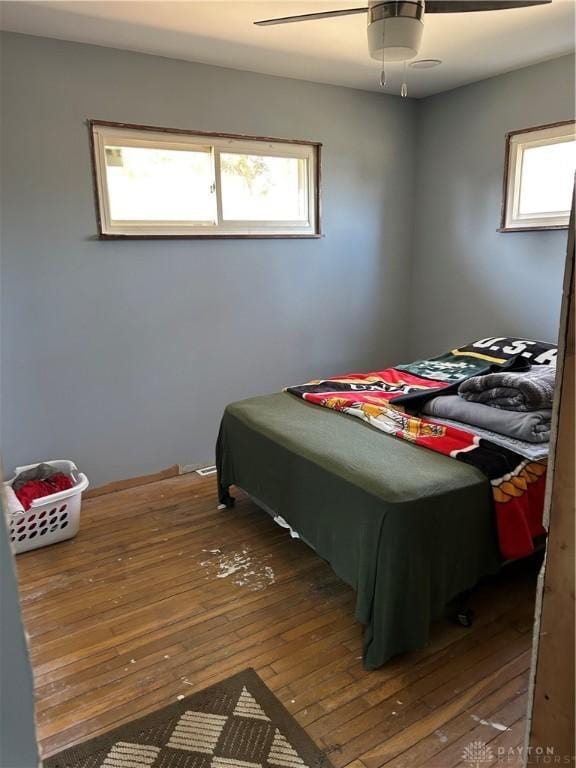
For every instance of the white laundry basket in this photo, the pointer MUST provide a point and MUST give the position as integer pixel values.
(50, 518)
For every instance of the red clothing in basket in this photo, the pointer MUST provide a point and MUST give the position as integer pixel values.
(35, 489)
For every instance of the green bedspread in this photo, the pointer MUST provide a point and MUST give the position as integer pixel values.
(408, 529)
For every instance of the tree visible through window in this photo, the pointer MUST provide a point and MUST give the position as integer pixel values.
(263, 188)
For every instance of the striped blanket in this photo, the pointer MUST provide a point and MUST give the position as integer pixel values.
(391, 399)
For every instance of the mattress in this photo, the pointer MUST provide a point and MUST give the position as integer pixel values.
(407, 528)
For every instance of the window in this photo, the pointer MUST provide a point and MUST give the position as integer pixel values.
(539, 177)
(155, 182)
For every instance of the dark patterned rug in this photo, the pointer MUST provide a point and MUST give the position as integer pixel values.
(237, 723)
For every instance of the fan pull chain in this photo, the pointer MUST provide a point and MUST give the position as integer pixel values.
(383, 77)
(404, 87)
(383, 70)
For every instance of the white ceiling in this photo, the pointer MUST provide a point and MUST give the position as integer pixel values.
(472, 46)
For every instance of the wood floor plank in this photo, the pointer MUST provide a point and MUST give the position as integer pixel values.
(426, 748)
(438, 717)
(161, 594)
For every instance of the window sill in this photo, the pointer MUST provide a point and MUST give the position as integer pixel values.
(237, 236)
(549, 227)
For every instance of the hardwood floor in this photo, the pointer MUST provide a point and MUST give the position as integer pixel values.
(161, 595)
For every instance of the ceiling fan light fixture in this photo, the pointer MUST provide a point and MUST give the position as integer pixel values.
(395, 30)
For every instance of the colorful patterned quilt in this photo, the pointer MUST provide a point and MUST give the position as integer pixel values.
(390, 400)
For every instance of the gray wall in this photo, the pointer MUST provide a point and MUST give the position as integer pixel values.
(122, 355)
(17, 725)
(469, 281)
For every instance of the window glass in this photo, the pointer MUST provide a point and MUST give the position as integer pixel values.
(148, 184)
(547, 178)
(263, 188)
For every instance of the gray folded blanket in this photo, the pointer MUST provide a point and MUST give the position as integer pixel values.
(532, 426)
(532, 390)
(532, 451)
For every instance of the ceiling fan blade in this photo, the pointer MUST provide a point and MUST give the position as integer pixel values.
(460, 6)
(310, 16)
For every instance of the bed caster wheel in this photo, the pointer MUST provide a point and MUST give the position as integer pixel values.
(465, 617)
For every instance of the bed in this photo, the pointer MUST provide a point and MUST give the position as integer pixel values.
(407, 528)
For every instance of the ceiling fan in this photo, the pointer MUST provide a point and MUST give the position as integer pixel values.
(395, 26)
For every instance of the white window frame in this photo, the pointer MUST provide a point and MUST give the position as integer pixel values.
(104, 133)
(517, 142)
